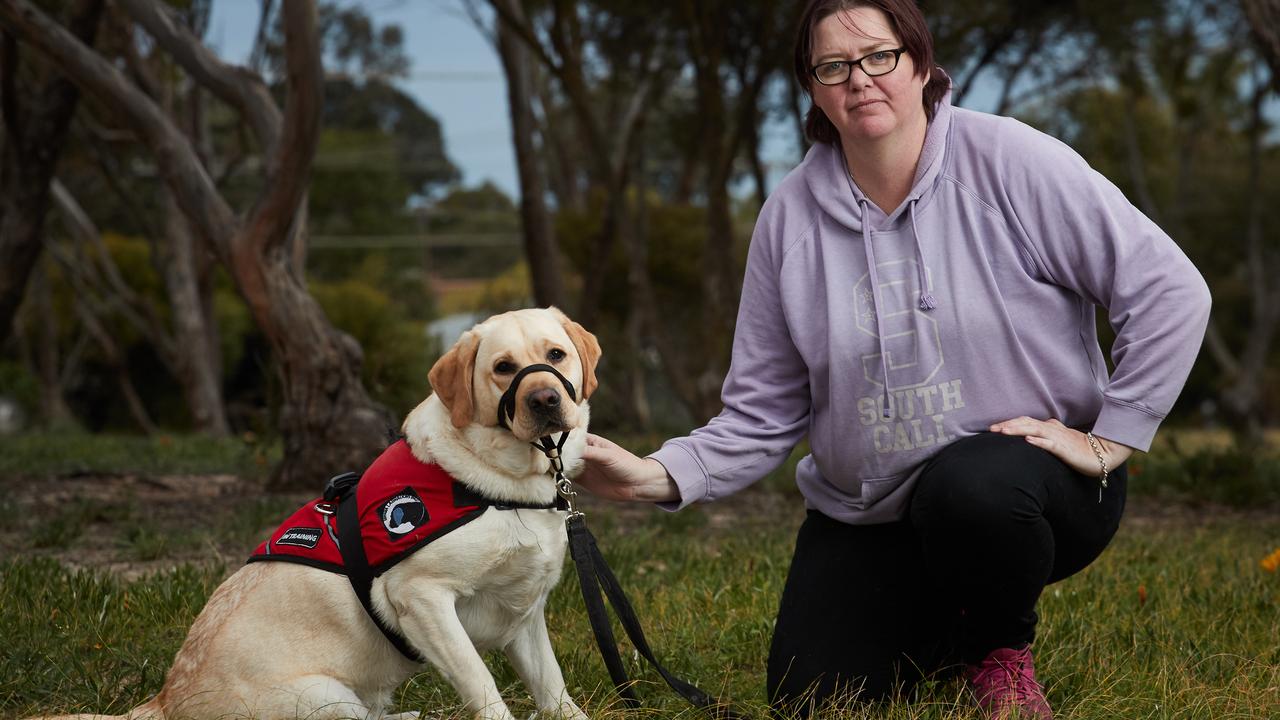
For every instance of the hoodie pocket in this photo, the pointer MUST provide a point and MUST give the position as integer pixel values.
(876, 489)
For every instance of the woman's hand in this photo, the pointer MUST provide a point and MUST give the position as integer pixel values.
(614, 473)
(1069, 446)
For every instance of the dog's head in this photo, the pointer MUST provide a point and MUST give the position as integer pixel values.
(472, 377)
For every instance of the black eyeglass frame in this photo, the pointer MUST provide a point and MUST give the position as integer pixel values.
(897, 57)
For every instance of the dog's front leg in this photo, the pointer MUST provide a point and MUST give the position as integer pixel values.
(535, 662)
(429, 619)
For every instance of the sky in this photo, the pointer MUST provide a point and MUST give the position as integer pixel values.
(456, 76)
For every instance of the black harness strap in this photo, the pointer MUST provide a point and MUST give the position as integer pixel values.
(361, 575)
(342, 490)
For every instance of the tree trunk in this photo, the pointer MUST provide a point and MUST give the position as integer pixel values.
(1264, 22)
(640, 310)
(328, 421)
(1244, 398)
(195, 362)
(53, 405)
(34, 142)
(539, 244)
(609, 143)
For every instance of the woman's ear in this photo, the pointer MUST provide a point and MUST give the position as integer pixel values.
(451, 378)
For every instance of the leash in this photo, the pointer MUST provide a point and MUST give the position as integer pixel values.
(594, 575)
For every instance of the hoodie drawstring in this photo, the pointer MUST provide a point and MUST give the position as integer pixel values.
(927, 301)
(875, 299)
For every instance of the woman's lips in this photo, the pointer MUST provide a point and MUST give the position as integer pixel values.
(864, 105)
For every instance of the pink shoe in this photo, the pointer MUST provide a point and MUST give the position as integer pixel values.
(1005, 685)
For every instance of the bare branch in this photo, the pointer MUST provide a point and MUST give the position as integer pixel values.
(524, 31)
(9, 88)
(237, 87)
(290, 165)
(177, 162)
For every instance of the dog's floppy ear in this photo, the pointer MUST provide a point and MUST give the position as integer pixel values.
(588, 350)
(451, 378)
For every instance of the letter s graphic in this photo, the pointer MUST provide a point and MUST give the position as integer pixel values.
(910, 343)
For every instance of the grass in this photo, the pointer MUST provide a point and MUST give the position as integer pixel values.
(1176, 620)
(50, 454)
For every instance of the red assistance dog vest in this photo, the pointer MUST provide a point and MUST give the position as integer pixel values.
(402, 504)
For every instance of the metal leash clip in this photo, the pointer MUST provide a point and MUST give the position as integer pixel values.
(564, 487)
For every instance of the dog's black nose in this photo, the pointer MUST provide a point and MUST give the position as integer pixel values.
(544, 400)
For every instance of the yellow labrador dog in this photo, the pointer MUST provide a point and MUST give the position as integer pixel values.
(282, 640)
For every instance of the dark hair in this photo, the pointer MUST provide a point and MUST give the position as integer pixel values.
(906, 21)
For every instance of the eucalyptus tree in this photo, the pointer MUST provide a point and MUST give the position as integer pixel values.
(326, 418)
(37, 107)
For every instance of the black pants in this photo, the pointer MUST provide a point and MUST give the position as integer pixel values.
(876, 607)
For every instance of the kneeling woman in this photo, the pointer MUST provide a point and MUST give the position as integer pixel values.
(919, 301)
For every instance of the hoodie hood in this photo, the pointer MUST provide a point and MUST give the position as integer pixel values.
(855, 211)
(825, 169)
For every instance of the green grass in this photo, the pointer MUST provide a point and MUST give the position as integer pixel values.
(1176, 620)
(63, 454)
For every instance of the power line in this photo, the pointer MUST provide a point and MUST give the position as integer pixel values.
(421, 240)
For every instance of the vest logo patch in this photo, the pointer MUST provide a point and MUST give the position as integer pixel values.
(304, 537)
(403, 513)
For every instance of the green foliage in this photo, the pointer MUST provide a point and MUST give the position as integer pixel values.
(356, 185)
(1231, 476)
(376, 106)
(397, 352)
(485, 229)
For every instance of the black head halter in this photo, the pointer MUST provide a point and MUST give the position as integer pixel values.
(507, 404)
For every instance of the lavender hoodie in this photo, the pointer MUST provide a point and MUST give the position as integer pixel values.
(975, 299)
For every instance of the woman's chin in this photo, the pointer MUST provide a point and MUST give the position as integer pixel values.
(870, 129)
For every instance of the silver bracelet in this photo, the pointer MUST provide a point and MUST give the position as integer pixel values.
(1097, 451)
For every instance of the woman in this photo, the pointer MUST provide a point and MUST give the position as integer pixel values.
(919, 301)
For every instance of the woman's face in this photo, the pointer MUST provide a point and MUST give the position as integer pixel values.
(865, 108)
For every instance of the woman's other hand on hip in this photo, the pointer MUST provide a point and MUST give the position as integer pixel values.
(1068, 445)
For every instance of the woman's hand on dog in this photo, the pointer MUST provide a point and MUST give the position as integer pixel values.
(615, 473)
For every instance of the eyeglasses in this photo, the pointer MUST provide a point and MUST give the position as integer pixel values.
(835, 72)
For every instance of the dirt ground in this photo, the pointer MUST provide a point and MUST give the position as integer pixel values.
(133, 524)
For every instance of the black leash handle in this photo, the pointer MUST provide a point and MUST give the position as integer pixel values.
(593, 573)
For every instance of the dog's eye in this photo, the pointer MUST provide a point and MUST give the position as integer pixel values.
(555, 355)
(504, 368)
